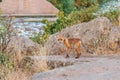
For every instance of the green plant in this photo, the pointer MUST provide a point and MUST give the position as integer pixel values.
(112, 15)
(5, 35)
(6, 32)
(6, 60)
(62, 22)
(84, 15)
(67, 6)
(80, 4)
(42, 38)
(73, 18)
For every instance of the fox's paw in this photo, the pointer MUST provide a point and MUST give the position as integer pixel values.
(67, 56)
(77, 57)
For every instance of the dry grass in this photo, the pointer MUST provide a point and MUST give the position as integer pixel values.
(18, 75)
(43, 51)
(24, 66)
(39, 66)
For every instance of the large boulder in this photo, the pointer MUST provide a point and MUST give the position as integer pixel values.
(98, 36)
(114, 39)
(20, 47)
(23, 45)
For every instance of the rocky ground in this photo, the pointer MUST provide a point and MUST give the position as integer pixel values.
(84, 68)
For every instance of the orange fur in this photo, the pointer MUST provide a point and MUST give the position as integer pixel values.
(71, 42)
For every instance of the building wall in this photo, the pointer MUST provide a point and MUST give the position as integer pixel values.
(27, 7)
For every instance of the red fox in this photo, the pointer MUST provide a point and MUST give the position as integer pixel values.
(69, 43)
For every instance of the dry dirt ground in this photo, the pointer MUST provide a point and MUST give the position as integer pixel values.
(84, 68)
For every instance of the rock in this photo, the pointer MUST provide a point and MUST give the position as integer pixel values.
(20, 47)
(85, 68)
(50, 61)
(23, 44)
(27, 29)
(95, 35)
(114, 36)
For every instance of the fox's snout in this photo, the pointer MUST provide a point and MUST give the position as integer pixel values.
(60, 38)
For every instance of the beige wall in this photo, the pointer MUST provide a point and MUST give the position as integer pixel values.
(27, 7)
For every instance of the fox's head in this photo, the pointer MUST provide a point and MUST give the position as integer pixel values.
(60, 38)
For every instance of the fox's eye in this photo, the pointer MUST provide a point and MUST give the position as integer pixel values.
(59, 39)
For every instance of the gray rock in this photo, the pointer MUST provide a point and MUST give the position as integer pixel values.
(96, 37)
(85, 68)
(24, 45)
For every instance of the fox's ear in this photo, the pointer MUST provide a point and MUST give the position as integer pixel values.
(59, 36)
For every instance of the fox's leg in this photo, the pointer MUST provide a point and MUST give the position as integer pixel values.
(77, 49)
(67, 56)
(78, 53)
(67, 45)
(69, 49)
(67, 53)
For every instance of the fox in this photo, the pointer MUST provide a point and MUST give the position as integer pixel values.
(70, 43)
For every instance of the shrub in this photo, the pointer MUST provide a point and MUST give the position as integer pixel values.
(84, 15)
(80, 4)
(112, 15)
(42, 38)
(6, 32)
(67, 6)
(75, 17)
(5, 35)
(6, 60)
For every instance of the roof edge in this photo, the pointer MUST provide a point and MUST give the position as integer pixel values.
(24, 15)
